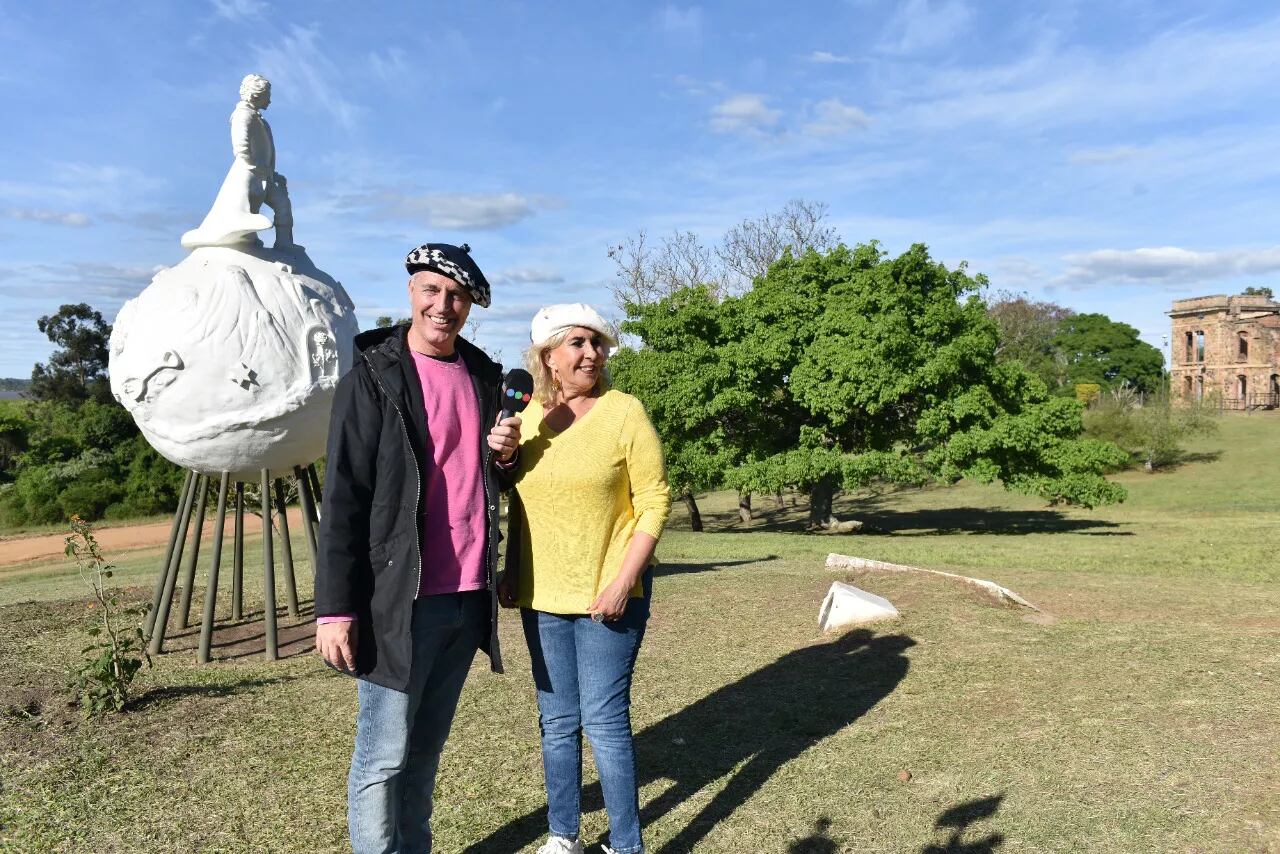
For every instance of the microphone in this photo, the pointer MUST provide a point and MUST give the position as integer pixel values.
(517, 391)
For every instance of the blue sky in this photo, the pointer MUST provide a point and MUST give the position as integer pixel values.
(1109, 156)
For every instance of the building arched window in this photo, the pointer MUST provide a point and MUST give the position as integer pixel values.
(1186, 387)
(1242, 387)
(1242, 346)
(1189, 349)
(1200, 345)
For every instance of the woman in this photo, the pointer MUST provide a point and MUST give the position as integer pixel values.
(589, 500)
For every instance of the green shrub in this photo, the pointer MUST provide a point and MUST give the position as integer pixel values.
(89, 496)
(1151, 429)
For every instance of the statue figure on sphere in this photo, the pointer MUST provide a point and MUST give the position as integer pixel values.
(251, 181)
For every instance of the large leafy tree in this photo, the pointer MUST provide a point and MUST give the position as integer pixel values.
(1100, 350)
(847, 367)
(77, 369)
(687, 388)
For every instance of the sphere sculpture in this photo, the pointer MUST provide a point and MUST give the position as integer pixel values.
(228, 362)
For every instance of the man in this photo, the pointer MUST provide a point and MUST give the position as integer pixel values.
(408, 542)
(251, 181)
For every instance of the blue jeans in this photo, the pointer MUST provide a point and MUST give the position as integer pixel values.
(582, 671)
(399, 735)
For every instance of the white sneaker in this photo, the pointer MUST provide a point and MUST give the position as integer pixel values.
(561, 845)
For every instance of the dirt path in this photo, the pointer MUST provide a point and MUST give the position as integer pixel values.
(22, 550)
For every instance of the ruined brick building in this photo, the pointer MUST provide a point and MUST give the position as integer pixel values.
(1227, 348)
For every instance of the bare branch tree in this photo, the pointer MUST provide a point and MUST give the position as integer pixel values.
(646, 274)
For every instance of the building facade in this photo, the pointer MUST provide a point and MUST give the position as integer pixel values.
(1226, 349)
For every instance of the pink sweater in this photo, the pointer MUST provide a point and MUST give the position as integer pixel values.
(453, 542)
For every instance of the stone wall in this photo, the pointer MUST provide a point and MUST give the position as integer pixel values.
(1227, 348)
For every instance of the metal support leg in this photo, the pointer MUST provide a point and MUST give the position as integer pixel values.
(316, 494)
(308, 513)
(286, 551)
(189, 580)
(163, 575)
(171, 576)
(237, 558)
(268, 571)
(211, 591)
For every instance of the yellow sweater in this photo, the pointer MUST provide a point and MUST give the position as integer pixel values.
(579, 497)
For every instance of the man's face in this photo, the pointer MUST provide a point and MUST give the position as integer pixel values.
(261, 100)
(440, 307)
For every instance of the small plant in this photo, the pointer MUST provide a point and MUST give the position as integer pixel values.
(101, 682)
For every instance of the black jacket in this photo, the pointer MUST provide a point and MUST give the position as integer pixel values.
(370, 559)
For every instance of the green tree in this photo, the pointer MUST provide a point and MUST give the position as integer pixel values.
(1100, 350)
(849, 367)
(685, 388)
(77, 369)
(1027, 329)
(1257, 291)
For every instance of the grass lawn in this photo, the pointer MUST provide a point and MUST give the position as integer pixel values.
(1140, 713)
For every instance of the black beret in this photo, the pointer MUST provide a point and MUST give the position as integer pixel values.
(454, 262)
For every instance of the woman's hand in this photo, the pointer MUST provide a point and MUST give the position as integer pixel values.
(506, 592)
(504, 438)
(612, 601)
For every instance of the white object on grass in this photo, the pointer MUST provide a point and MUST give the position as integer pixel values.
(846, 606)
(1004, 594)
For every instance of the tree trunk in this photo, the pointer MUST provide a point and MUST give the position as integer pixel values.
(695, 518)
(744, 507)
(782, 502)
(821, 495)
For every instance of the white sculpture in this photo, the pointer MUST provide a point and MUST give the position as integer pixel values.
(251, 181)
(228, 360)
(1001, 594)
(846, 606)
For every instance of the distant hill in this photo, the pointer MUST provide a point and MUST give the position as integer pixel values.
(14, 384)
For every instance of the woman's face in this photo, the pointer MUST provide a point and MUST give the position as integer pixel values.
(578, 362)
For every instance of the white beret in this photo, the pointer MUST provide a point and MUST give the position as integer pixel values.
(551, 319)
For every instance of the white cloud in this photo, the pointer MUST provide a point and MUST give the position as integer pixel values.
(685, 23)
(1158, 79)
(1166, 265)
(390, 66)
(740, 113)
(925, 24)
(239, 10)
(1097, 156)
(833, 117)
(300, 69)
(74, 219)
(529, 276)
(823, 57)
(453, 210)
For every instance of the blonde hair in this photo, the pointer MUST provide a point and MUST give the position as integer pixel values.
(544, 385)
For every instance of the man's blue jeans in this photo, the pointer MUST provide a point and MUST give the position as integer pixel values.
(582, 671)
(399, 735)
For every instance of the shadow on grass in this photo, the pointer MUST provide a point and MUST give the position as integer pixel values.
(679, 567)
(159, 696)
(817, 842)
(1187, 458)
(957, 820)
(949, 520)
(744, 732)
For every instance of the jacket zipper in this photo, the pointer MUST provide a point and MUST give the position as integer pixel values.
(417, 472)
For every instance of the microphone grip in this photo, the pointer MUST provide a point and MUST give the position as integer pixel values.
(507, 413)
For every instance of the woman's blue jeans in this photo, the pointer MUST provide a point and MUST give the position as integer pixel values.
(399, 735)
(582, 671)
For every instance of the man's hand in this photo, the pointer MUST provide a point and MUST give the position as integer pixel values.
(504, 438)
(336, 643)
